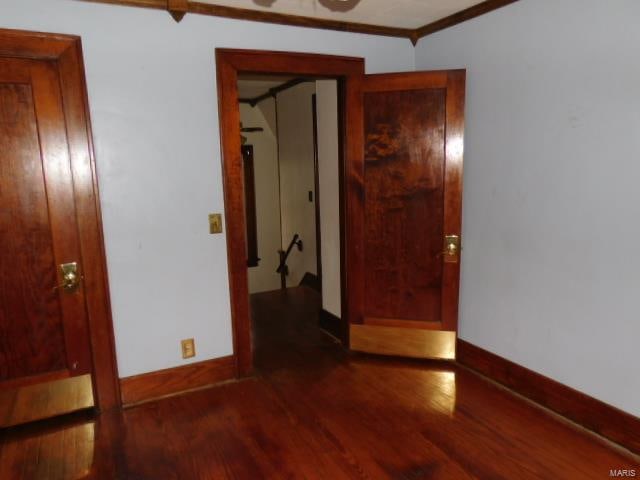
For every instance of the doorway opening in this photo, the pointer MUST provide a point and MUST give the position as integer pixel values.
(278, 161)
(291, 158)
(402, 137)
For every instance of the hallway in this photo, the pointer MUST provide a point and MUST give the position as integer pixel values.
(314, 411)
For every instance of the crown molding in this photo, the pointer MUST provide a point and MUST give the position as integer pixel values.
(461, 16)
(179, 8)
(266, 17)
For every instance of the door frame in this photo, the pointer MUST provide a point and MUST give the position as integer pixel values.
(349, 72)
(316, 190)
(66, 51)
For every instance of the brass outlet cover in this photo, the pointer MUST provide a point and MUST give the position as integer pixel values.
(215, 223)
(188, 348)
(451, 249)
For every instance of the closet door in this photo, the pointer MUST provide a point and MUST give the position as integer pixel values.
(404, 199)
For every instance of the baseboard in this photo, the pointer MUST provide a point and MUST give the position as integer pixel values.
(330, 323)
(312, 281)
(155, 385)
(599, 417)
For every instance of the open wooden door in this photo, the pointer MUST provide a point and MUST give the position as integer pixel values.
(404, 198)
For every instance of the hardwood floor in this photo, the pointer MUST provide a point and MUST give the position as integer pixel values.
(314, 411)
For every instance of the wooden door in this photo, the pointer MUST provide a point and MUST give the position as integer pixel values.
(44, 224)
(404, 196)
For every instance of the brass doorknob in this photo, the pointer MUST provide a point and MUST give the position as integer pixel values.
(70, 278)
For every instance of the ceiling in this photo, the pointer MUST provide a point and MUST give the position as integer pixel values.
(410, 14)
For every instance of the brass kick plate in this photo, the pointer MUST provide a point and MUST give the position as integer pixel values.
(404, 342)
(188, 348)
(215, 223)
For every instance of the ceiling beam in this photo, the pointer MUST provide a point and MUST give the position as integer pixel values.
(178, 8)
(272, 92)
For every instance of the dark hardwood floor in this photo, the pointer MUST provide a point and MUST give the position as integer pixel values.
(316, 412)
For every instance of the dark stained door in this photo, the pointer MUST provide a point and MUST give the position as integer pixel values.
(404, 204)
(43, 326)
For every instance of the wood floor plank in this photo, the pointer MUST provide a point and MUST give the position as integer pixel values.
(314, 411)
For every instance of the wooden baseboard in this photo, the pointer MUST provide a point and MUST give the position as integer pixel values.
(312, 281)
(328, 322)
(599, 417)
(154, 385)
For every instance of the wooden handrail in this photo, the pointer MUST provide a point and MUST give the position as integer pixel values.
(283, 260)
(283, 269)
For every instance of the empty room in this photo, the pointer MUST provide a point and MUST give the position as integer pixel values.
(319, 239)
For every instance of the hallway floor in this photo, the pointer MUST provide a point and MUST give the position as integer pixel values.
(315, 412)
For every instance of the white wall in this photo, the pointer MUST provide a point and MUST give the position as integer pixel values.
(297, 178)
(552, 207)
(152, 89)
(328, 178)
(263, 277)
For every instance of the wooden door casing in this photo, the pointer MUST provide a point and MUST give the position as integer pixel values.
(348, 71)
(405, 195)
(352, 86)
(42, 78)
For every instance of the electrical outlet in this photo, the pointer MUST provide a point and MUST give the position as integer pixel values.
(188, 348)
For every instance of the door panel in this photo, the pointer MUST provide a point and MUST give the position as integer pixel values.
(407, 202)
(404, 185)
(28, 264)
(43, 328)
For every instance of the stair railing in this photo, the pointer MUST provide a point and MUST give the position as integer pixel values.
(283, 268)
